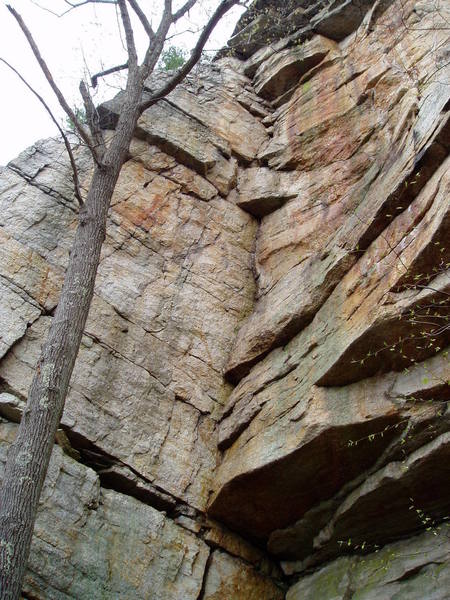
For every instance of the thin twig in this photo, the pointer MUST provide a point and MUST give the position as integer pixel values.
(84, 2)
(75, 178)
(62, 101)
(72, 6)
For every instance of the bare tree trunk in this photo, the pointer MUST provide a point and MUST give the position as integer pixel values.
(30, 454)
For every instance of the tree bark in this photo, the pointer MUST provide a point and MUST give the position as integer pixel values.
(29, 456)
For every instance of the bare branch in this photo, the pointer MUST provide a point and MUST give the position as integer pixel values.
(180, 33)
(72, 6)
(143, 19)
(129, 36)
(78, 4)
(183, 10)
(62, 101)
(119, 29)
(92, 118)
(154, 50)
(196, 53)
(49, 10)
(166, 19)
(94, 78)
(75, 178)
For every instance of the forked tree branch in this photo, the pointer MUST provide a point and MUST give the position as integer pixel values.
(62, 101)
(75, 178)
(196, 53)
(155, 48)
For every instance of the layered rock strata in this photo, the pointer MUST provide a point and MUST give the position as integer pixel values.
(264, 375)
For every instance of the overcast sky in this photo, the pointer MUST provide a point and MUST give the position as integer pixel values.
(84, 39)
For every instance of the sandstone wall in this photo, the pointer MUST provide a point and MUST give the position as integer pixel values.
(260, 398)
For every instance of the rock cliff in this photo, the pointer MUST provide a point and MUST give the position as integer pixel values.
(259, 409)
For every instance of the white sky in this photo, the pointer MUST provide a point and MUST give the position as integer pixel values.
(88, 36)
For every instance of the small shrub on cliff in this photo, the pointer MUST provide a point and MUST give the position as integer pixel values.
(173, 58)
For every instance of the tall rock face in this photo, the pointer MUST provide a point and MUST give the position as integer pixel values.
(259, 406)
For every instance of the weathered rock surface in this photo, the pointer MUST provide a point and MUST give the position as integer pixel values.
(203, 132)
(348, 297)
(281, 224)
(396, 475)
(231, 578)
(92, 542)
(149, 293)
(417, 569)
(399, 485)
(275, 75)
(380, 125)
(318, 427)
(268, 21)
(95, 543)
